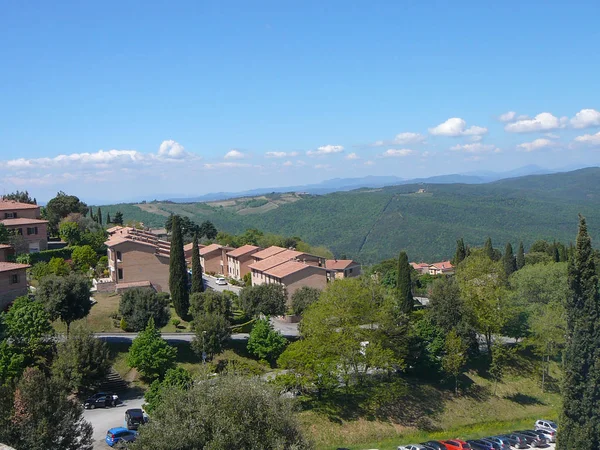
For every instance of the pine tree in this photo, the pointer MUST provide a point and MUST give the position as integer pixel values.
(508, 260)
(579, 422)
(197, 282)
(99, 215)
(118, 220)
(404, 284)
(461, 252)
(91, 211)
(107, 218)
(520, 256)
(178, 280)
(488, 248)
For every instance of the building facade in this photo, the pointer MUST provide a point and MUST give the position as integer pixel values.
(342, 268)
(13, 278)
(25, 221)
(213, 259)
(239, 260)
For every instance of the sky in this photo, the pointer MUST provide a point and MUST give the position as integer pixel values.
(116, 100)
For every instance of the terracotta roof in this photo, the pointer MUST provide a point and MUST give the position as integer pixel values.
(22, 221)
(265, 264)
(8, 266)
(11, 204)
(114, 229)
(243, 250)
(339, 264)
(268, 252)
(210, 248)
(288, 268)
(418, 266)
(444, 265)
(188, 247)
(3, 246)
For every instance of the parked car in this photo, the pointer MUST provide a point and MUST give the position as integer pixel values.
(547, 425)
(134, 418)
(515, 441)
(412, 447)
(532, 438)
(550, 436)
(504, 444)
(435, 445)
(118, 435)
(495, 445)
(456, 444)
(221, 281)
(479, 444)
(98, 400)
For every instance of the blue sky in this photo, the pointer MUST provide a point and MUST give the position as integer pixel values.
(113, 100)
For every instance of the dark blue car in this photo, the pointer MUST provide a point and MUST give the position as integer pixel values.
(120, 434)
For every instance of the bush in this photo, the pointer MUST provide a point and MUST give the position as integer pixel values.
(84, 257)
(40, 270)
(124, 326)
(265, 342)
(47, 255)
(303, 298)
(138, 306)
(230, 362)
(176, 322)
(59, 267)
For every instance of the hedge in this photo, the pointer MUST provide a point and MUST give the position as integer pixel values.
(46, 255)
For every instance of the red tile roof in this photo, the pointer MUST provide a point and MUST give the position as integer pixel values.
(3, 246)
(418, 266)
(288, 268)
(444, 265)
(243, 250)
(210, 248)
(265, 264)
(8, 266)
(339, 264)
(22, 221)
(268, 252)
(7, 205)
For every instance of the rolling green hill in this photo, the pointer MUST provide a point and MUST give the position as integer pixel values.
(373, 224)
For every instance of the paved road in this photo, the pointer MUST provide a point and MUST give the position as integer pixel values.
(211, 283)
(103, 419)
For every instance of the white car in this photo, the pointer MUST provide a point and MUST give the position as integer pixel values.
(221, 281)
(412, 447)
(548, 427)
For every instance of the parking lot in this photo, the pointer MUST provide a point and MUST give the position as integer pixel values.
(102, 419)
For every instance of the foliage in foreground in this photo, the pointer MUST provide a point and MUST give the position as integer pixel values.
(137, 306)
(150, 354)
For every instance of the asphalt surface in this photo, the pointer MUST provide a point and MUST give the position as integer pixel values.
(103, 419)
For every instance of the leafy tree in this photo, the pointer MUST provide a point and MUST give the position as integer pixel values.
(208, 230)
(150, 354)
(178, 279)
(532, 258)
(303, 298)
(118, 219)
(404, 285)
(229, 412)
(139, 305)
(265, 342)
(84, 257)
(482, 283)
(461, 252)
(66, 298)
(4, 235)
(197, 281)
(210, 302)
(44, 417)
(99, 216)
(267, 299)
(12, 363)
(508, 260)
(70, 233)
(108, 218)
(247, 279)
(27, 326)
(81, 361)
(61, 206)
(178, 378)
(21, 197)
(501, 356)
(520, 260)
(455, 356)
(211, 311)
(580, 393)
(58, 267)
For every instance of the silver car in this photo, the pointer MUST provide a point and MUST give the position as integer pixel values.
(547, 426)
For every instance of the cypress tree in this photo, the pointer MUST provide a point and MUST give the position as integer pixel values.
(508, 260)
(520, 256)
(99, 216)
(461, 252)
(404, 284)
(197, 282)
(488, 248)
(92, 214)
(580, 414)
(555, 253)
(107, 218)
(178, 280)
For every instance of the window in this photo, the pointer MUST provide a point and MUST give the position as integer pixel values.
(20, 231)
(349, 270)
(32, 230)
(119, 256)
(120, 274)
(14, 278)
(10, 215)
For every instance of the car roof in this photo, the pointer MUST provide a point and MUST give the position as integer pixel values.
(134, 411)
(117, 430)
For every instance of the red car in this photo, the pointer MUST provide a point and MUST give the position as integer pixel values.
(456, 444)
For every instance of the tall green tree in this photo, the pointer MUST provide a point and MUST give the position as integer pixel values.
(197, 281)
(455, 356)
(178, 378)
(404, 284)
(303, 298)
(211, 312)
(488, 248)
(118, 219)
(580, 414)
(520, 260)
(108, 218)
(267, 299)
(461, 252)
(21, 197)
(138, 306)
(150, 354)
(508, 260)
(99, 216)
(265, 342)
(65, 298)
(178, 278)
(60, 207)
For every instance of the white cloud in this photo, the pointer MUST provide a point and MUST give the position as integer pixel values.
(322, 166)
(542, 122)
(352, 156)
(369, 163)
(378, 144)
(507, 116)
(226, 165)
(475, 138)
(589, 139)
(287, 163)
(586, 118)
(552, 135)
(397, 153)
(326, 150)
(409, 138)
(276, 154)
(477, 147)
(234, 154)
(537, 144)
(171, 149)
(456, 126)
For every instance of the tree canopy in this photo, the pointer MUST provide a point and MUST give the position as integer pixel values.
(267, 299)
(61, 206)
(150, 354)
(139, 305)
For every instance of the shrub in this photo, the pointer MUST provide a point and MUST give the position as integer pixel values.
(124, 326)
(40, 270)
(176, 322)
(84, 257)
(265, 342)
(59, 267)
(138, 306)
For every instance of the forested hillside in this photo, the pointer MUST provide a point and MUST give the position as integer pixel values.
(373, 224)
